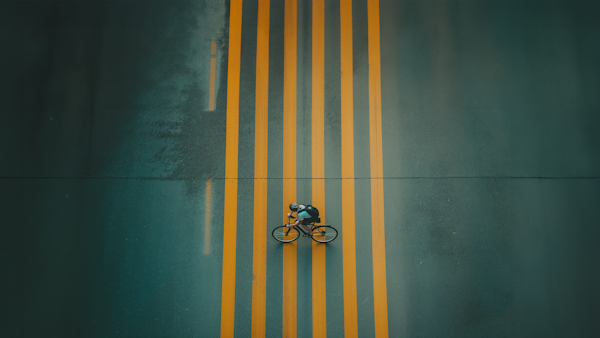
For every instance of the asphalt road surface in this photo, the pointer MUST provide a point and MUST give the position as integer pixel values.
(147, 150)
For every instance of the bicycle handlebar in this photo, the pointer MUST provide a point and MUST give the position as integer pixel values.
(289, 222)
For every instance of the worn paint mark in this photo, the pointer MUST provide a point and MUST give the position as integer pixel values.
(213, 69)
(207, 217)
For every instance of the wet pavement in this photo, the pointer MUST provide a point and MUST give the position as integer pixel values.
(491, 174)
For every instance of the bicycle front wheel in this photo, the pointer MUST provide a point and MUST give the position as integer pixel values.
(324, 234)
(285, 234)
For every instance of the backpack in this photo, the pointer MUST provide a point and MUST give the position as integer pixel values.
(312, 211)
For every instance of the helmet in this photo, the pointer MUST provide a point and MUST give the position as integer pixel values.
(294, 207)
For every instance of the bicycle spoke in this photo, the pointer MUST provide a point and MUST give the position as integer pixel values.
(285, 234)
(324, 234)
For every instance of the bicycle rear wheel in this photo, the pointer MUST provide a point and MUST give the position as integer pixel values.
(324, 234)
(285, 234)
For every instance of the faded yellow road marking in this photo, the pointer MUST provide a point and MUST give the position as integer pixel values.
(377, 210)
(319, 300)
(289, 164)
(207, 217)
(261, 147)
(231, 170)
(348, 216)
(213, 69)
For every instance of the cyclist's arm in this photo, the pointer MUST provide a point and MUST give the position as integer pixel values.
(297, 222)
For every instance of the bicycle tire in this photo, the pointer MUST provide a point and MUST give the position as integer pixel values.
(284, 234)
(324, 234)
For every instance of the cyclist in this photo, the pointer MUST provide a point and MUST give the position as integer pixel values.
(302, 217)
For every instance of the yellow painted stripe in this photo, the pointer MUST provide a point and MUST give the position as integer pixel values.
(377, 211)
(207, 217)
(348, 216)
(231, 170)
(213, 69)
(289, 164)
(259, 258)
(319, 301)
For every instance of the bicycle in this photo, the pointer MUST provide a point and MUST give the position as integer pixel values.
(320, 233)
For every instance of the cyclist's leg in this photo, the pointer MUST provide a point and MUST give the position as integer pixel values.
(306, 225)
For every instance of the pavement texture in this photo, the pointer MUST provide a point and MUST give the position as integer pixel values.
(112, 168)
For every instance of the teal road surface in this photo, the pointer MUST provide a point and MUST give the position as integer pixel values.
(113, 161)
